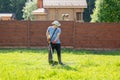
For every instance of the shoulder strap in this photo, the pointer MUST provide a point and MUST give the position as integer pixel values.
(53, 33)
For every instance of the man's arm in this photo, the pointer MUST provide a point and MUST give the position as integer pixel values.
(48, 36)
(57, 37)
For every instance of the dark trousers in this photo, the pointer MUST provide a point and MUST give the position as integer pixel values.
(54, 47)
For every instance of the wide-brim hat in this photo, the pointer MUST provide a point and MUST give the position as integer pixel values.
(57, 23)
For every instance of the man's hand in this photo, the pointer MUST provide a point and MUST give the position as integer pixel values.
(48, 38)
(54, 42)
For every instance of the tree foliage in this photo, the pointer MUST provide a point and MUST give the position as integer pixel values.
(106, 11)
(27, 10)
(89, 10)
(12, 6)
(5, 6)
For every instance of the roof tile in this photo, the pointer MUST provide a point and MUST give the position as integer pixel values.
(64, 3)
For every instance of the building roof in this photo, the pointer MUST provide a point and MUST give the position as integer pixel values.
(39, 11)
(64, 3)
(6, 15)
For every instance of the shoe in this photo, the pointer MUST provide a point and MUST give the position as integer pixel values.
(61, 64)
(55, 62)
(50, 62)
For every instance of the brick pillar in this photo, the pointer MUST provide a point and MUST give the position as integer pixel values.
(40, 3)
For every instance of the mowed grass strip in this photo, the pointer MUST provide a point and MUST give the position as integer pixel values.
(32, 64)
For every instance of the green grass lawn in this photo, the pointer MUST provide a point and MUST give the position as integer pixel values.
(32, 64)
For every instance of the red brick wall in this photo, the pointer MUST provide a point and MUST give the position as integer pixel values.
(13, 33)
(77, 35)
(38, 33)
(97, 35)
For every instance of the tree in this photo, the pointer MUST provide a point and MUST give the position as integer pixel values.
(27, 10)
(106, 11)
(5, 6)
(12, 6)
(17, 6)
(89, 10)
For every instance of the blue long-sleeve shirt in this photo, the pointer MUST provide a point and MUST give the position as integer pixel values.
(51, 30)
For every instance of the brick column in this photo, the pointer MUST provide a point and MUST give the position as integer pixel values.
(40, 3)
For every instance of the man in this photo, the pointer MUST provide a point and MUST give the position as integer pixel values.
(53, 38)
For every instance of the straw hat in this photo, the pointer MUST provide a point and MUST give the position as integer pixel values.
(56, 23)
